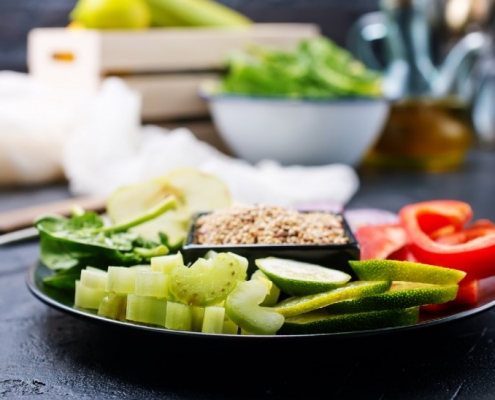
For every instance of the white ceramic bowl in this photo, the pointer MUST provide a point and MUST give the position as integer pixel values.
(304, 132)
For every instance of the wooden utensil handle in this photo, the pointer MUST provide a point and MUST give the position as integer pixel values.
(24, 217)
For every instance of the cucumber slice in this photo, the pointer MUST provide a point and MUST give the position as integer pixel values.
(274, 292)
(147, 310)
(379, 270)
(179, 316)
(151, 283)
(242, 307)
(213, 320)
(206, 282)
(85, 297)
(113, 306)
(320, 321)
(300, 305)
(400, 295)
(300, 278)
(121, 280)
(166, 264)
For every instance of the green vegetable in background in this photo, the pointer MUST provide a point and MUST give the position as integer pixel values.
(317, 69)
(69, 244)
(195, 13)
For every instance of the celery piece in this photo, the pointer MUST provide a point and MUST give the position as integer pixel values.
(121, 280)
(198, 314)
(243, 307)
(213, 320)
(151, 283)
(86, 297)
(229, 328)
(147, 310)
(113, 306)
(141, 267)
(94, 278)
(274, 291)
(178, 317)
(166, 263)
(207, 282)
(210, 254)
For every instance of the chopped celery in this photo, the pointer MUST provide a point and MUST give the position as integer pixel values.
(210, 254)
(243, 307)
(147, 310)
(207, 281)
(198, 314)
(113, 306)
(213, 320)
(229, 328)
(121, 279)
(166, 263)
(178, 316)
(151, 283)
(86, 297)
(274, 291)
(94, 278)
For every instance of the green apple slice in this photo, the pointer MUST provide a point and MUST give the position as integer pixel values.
(195, 191)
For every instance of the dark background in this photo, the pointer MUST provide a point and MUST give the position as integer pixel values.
(17, 17)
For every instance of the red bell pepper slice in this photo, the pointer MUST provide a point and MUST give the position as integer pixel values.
(468, 294)
(469, 249)
(380, 241)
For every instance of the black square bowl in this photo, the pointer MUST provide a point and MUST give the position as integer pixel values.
(335, 256)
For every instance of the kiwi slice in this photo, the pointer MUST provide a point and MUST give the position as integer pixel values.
(320, 321)
(400, 295)
(393, 270)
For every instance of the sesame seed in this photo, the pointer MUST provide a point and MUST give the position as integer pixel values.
(263, 224)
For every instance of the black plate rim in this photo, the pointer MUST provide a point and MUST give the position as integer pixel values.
(43, 297)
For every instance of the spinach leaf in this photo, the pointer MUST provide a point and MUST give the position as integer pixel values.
(317, 69)
(68, 245)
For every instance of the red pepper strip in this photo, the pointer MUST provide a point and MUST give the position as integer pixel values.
(476, 257)
(468, 293)
(479, 228)
(403, 254)
(380, 241)
(444, 231)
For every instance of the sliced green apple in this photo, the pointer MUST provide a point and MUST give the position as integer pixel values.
(196, 191)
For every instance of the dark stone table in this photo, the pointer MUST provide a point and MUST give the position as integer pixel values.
(46, 353)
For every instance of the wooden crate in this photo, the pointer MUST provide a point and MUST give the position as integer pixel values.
(165, 65)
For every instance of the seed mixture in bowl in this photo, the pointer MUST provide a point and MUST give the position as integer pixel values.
(263, 224)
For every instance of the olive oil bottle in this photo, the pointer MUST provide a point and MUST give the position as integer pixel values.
(424, 134)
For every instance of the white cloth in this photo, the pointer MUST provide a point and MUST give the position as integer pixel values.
(100, 145)
(34, 121)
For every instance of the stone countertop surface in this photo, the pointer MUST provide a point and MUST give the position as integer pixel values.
(50, 354)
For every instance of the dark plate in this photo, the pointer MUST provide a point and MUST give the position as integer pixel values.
(63, 301)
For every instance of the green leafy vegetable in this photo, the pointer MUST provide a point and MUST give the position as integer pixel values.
(69, 244)
(317, 69)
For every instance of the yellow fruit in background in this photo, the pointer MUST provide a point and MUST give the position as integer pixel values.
(112, 14)
(75, 25)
